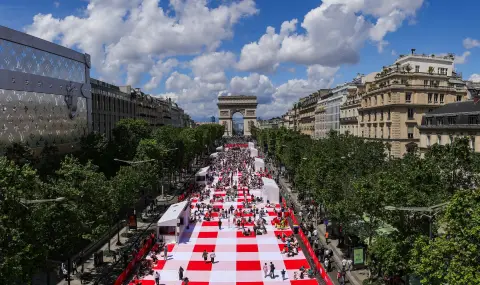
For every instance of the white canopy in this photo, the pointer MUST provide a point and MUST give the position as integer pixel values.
(259, 164)
(171, 216)
(203, 171)
(253, 152)
(219, 149)
(251, 145)
(214, 155)
(270, 190)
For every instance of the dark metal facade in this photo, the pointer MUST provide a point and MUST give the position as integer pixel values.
(45, 93)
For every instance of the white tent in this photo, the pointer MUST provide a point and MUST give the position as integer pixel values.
(253, 152)
(201, 175)
(214, 155)
(259, 164)
(219, 149)
(251, 145)
(173, 222)
(270, 190)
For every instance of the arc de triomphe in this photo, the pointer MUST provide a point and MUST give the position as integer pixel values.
(245, 105)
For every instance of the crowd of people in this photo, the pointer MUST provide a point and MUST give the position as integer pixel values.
(236, 174)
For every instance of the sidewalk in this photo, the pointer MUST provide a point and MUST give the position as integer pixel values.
(355, 277)
(92, 273)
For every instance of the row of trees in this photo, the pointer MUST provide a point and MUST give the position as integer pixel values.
(97, 190)
(354, 180)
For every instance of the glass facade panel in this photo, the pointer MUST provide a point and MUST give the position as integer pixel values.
(17, 57)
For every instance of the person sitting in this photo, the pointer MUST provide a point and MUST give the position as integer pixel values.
(245, 232)
(302, 275)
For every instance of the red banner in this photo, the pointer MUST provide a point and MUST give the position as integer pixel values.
(143, 251)
(240, 145)
(317, 263)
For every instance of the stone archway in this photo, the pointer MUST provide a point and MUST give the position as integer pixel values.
(245, 105)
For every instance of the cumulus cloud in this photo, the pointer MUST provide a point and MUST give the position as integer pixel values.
(461, 59)
(120, 33)
(211, 67)
(333, 34)
(254, 84)
(470, 43)
(474, 77)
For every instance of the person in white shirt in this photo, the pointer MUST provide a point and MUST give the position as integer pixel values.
(344, 263)
(157, 278)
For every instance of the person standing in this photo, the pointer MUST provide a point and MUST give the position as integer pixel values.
(265, 269)
(212, 257)
(272, 270)
(205, 255)
(157, 278)
(283, 274)
(219, 224)
(180, 273)
(165, 252)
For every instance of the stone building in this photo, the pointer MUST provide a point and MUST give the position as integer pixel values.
(394, 103)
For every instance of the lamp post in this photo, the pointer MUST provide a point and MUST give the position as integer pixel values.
(431, 212)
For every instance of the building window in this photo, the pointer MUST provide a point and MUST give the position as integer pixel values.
(428, 140)
(439, 139)
(417, 68)
(388, 118)
(450, 138)
(442, 98)
(435, 98)
(452, 120)
(473, 120)
(388, 130)
(428, 121)
(425, 82)
(408, 97)
(472, 142)
(410, 113)
(439, 121)
(430, 96)
(410, 132)
(459, 98)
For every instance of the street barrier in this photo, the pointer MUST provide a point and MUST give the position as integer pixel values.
(141, 253)
(317, 263)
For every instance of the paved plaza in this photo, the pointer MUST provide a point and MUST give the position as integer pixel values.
(239, 259)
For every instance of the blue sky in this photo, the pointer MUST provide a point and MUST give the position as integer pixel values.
(207, 53)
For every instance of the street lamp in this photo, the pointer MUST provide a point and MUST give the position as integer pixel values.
(432, 211)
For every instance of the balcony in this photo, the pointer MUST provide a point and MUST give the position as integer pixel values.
(351, 119)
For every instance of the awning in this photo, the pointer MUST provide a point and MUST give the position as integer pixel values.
(171, 216)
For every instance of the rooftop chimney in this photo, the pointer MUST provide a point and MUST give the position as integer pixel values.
(413, 51)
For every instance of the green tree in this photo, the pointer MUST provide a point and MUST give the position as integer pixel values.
(452, 258)
(20, 154)
(126, 136)
(20, 253)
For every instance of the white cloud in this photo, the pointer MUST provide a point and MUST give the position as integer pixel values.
(119, 33)
(470, 43)
(394, 53)
(56, 4)
(211, 67)
(461, 59)
(474, 77)
(334, 33)
(158, 71)
(254, 84)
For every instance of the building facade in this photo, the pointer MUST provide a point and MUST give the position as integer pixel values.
(442, 125)
(327, 114)
(306, 113)
(394, 103)
(112, 103)
(45, 92)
